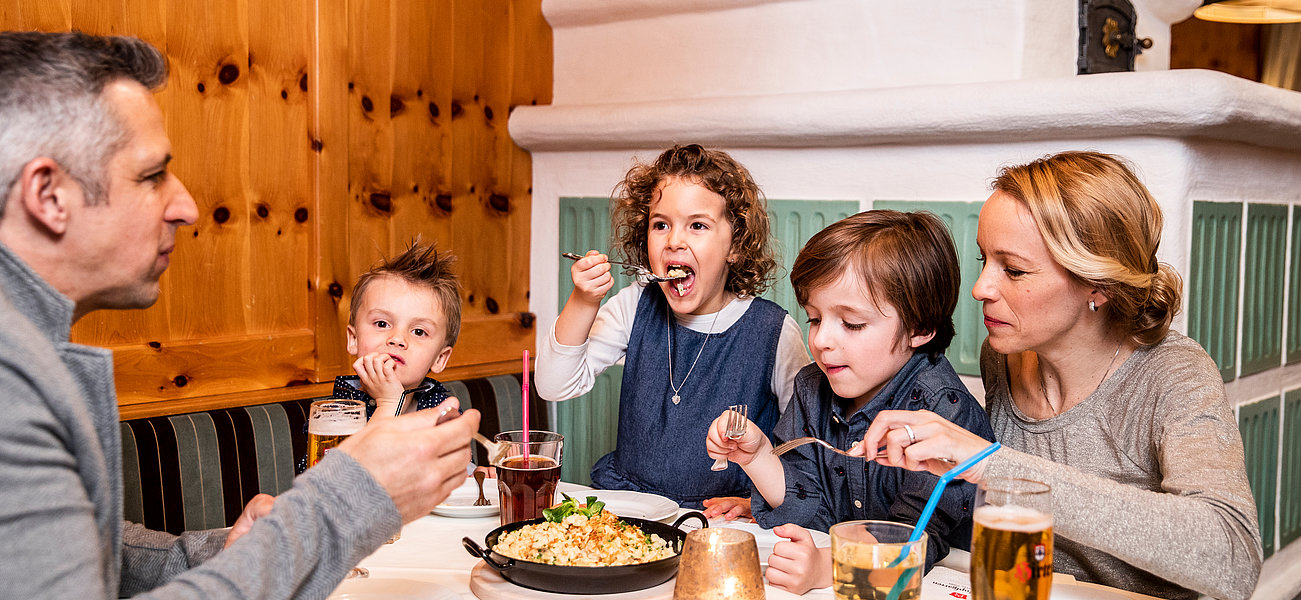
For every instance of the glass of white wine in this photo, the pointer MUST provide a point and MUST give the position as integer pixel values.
(866, 565)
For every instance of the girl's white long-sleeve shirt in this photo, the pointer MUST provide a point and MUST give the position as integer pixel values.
(565, 372)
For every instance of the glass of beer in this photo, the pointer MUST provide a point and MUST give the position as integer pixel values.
(329, 422)
(1012, 540)
(528, 485)
(864, 556)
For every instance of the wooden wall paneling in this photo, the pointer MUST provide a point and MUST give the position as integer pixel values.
(208, 44)
(145, 20)
(280, 164)
(370, 134)
(328, 105)
(37, 15)
(530, 70)
(418, 141)
(482, 236)
(211, 367)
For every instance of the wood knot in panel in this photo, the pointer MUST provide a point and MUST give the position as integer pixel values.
(487, 112)
(317, 146)
(302, 82)
(155, 345)
(262, 211)
(526, 320)
(381, 201)
(433, 110)
(395, 106)
(443, 202)
(201, 88)
(228, 74)
(221, 214)
(334, 290)
(180, 381)
(284, 94)
(491, 304)
(499, 202)
(456, 109)
(366, 104)
(300, 215)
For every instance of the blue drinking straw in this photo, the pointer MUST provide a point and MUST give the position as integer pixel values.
(930, 509)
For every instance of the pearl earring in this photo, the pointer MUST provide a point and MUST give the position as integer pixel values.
(1093, 306)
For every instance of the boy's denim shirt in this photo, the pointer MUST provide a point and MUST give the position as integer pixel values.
(824, 488)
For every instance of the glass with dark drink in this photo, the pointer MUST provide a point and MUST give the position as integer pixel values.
(528, 485)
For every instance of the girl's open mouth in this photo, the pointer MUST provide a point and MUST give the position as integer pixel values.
(683, 278)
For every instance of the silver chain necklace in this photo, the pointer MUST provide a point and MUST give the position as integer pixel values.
(1044, 388)
(668, 327)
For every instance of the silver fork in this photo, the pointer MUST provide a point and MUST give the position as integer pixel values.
(797, 442)
(642, 272)
(736, 421)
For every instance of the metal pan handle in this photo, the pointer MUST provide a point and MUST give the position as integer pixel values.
(704, 523)
(473, 548)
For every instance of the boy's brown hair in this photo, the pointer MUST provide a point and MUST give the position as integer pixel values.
(746, 211)
(904, 258)
(419, 265)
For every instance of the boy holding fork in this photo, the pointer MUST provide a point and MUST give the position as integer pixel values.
(879, 289)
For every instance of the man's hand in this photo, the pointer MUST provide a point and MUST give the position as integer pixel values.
(417, 459)
(258, 507)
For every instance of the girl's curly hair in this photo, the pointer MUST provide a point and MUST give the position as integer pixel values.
(747, 211)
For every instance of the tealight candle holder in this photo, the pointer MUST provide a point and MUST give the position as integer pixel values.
(719, 564)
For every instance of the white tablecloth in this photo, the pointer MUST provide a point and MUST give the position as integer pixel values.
(430, 551)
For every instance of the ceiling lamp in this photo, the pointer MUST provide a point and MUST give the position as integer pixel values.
(1250, 11)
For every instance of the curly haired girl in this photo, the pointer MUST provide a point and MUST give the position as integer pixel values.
(692, 345)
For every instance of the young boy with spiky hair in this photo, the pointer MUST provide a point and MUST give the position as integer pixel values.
(403, 319)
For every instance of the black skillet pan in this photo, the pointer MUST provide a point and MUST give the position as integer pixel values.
(565, 579)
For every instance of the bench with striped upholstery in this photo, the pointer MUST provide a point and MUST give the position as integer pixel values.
(198, 470)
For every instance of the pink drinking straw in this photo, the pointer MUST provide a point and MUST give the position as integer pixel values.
(526, 409)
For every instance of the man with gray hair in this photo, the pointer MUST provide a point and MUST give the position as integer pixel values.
(88, 220)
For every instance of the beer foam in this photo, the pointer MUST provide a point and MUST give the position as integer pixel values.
(346, 426)
(1012, 518)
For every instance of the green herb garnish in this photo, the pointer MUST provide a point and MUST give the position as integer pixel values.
(571, 506)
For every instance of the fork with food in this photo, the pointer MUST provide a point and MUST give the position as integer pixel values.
(643, 273)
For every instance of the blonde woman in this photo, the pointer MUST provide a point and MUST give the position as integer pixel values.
(1090, 391)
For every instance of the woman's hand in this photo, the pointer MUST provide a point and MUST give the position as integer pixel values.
(797, 565)
(592, 277)
(740, 451)
(729, 507)
(933, 437)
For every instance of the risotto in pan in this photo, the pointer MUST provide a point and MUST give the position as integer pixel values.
(580, 536)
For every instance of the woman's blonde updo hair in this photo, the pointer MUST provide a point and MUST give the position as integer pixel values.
(1101, 223)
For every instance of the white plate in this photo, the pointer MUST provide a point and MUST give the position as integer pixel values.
(623, 503)
(460, 503)
(391, 589)
(766, 539)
